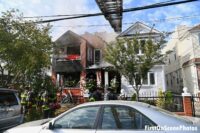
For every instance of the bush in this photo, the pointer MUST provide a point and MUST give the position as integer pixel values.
(160, 102)
(133, 98)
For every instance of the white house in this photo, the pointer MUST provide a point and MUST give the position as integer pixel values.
(156, 76)
(183, 59)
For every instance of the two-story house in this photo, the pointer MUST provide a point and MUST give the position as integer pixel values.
(155, 77)
(183, 59)
(78, 57)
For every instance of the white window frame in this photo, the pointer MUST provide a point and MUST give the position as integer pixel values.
(154, 78)
(148, 79)
(140, 51)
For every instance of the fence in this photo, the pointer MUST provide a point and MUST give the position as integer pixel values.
(174, 104)
(195, 105)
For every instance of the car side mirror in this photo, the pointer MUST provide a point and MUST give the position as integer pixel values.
(51, 127)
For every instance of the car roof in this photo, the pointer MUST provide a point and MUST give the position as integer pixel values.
(8, 90)
(158, 115)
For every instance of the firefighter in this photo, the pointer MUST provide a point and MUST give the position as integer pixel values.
(45, 104)
(24, 96)
(32, 112)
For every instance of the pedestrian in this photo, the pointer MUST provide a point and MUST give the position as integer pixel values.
(110, 94)
(97, 95)
(32, 111)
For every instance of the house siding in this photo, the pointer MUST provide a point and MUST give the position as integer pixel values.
(158, 70)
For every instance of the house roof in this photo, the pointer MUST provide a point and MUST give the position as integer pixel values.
(140, 28)
(197, 27)
(94, 40)
(69, 38)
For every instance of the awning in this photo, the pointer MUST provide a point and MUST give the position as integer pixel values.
(68, 66)
(112, 10)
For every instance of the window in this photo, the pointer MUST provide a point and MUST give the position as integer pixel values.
(73, 50)
(8, 99)
(89, 54)
(97, 56)
(145, 81)
(152, 78)
(175, 56)
(82, 118)
(149, 80)
(199, 38)
(121, 117)
(142, 43)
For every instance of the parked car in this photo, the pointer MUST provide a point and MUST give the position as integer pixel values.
(110, 117)
(10, 109)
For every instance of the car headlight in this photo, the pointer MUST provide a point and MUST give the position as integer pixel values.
(6, 131)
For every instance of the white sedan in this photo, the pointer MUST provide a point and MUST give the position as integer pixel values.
(111, 117)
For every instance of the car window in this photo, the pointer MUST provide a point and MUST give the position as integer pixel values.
(122, 117)
(8, 99)
(83, 118)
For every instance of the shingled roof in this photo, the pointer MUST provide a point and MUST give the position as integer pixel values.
(197, 27)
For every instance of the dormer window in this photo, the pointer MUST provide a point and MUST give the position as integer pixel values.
(97, 56)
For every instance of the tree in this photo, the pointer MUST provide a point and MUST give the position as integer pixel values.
(123, 54)
(25, 47)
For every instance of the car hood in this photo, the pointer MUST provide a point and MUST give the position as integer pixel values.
(34, 127)
(195, 120)
(34, 123)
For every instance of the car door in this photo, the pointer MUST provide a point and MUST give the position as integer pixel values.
(81, 120)
(123, 119)
(10, 112)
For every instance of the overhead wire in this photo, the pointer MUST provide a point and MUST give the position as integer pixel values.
(129, 23)
(156, 5)
(64, 15)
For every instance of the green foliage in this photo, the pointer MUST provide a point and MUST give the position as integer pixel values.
(161, 100)
(124, 56)
(133, 98)
(168, 98)
(25, 47)
(70, 83)
(91, 85)
(165, 99)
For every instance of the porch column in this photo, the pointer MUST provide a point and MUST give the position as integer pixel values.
(106, 81)
(98, 73)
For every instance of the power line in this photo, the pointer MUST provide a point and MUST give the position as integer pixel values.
(51, 16)
(129, 23)
(156, 5)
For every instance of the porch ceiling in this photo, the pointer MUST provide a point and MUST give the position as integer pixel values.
(112, 10)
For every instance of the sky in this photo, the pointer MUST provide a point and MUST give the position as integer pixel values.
(150, 17)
